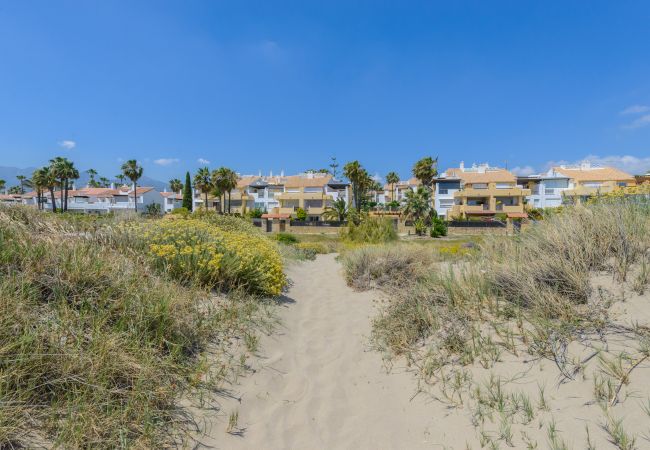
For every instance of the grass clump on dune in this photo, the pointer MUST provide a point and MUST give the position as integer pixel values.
(98, 348)
(541, 277)
(370, 230)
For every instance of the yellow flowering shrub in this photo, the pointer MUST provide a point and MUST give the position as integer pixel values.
(196, 250)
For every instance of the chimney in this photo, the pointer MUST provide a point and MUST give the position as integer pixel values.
(462, 166)
(585, 165)
(282, 173)
(112, 185)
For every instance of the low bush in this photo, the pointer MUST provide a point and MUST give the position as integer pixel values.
(286, 238)
(317, 247)
(223, 256)
(371, 230)
(386, 265)
(226, 222)
(438, 228)
(184, 212)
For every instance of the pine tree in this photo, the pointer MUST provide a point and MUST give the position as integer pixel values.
(187, 193)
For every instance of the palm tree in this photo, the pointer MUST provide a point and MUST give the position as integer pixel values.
(360, 180)
(175, 185)
(3, 184)
(417, 203)
(21, 180)
(92, 173)
(392, 178)
(44, 179)
(104, 182)
(64, 170)
(338, 210)
(120, 178)
(230, 184)
(225, 180)
(426, 170)
(203, 182)
(133, 171)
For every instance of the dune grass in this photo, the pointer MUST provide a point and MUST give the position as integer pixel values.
(531, 294)
(98, 346)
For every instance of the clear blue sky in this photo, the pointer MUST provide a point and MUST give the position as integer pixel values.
(284, 85)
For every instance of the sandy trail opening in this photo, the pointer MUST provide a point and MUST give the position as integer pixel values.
(317, 383)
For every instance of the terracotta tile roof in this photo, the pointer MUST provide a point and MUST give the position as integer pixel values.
(12, 197)
(491, 175)
(304, 181)
(174, 195)
(291, 181)
(594, 174)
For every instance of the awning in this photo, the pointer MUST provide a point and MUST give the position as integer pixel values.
(276, 216)
(517, 215)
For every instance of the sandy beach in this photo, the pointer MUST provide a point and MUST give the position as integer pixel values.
(318, 385)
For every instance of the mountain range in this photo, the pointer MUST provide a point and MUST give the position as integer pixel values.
(9, 175)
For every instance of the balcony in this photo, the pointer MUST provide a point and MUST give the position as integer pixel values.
(492, 192)
(287, 210)
(314, 210)
(588, 190)
(510, 208)
(303, 196)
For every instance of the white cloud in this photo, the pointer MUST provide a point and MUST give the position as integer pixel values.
(166, 161)
(628, 163)
(635, 109)
(639, 122)
(67, 144)
(523, 171)
(202, 161)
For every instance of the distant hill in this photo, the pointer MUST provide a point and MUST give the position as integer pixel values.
(9, 175)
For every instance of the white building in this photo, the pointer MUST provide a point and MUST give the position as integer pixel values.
(101, 200)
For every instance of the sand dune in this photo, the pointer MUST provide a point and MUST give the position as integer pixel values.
(318, 386)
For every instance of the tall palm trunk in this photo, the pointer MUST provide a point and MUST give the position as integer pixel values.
(206, 201)
(229, 202)
(53, 199)
(65, 199)
(135, 197)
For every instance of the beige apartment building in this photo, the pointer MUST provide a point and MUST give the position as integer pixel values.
(283, 195)
(482, 190)
(585, 181)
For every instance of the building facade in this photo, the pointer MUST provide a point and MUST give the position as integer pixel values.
(482, 191)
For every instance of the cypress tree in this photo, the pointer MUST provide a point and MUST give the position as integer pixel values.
(187, 193)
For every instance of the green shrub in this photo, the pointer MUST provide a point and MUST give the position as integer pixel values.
(226, 222)
(372, 230)
(182, 211)
(256, 213)
(420, 227)
(301, 214)
(286, 238)
(438, 228)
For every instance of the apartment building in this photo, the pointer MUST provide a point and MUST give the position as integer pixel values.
(280, 194)
(172, 200)
(479, 190)
(586, 180)
(312, 192)
(100, 200)
(399, 192)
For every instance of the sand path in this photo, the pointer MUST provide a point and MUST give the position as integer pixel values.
(318, 385)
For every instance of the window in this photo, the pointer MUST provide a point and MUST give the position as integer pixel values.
(313, 189)
(504, 186)
(480, 186)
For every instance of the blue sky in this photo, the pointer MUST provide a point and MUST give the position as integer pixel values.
(265, 85)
